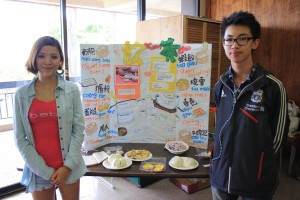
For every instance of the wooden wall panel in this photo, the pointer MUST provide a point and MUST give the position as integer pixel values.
(279, 51)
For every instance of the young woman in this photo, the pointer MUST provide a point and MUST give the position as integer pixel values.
(49, 125)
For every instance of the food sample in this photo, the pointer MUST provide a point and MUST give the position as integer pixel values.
(147, 166)
(113, 157)
(177, 161)
(138, 154)
(158, 167)
(119, 162)
(189, 163)
(177, 146)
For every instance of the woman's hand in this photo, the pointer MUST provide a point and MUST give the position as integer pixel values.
(59, 177)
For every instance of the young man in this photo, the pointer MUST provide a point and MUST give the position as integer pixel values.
(251, 120)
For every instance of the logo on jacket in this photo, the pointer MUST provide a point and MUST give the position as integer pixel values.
(257, 96)
(223, 94)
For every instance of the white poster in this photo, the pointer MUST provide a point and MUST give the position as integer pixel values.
(145, 93)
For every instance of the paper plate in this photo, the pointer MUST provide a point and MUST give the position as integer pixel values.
(108, 166)
(133, 159)
(184, 168)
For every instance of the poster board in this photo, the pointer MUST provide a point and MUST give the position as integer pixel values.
(145, 93)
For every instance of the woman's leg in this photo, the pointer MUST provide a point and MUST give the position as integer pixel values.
(70, 191)
(46, 194)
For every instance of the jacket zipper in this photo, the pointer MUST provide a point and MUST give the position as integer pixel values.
(249, 85)
(243, 88)
(234, 102)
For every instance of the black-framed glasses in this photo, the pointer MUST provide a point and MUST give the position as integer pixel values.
(241, 41)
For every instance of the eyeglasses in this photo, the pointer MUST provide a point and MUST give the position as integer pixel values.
(242, 41)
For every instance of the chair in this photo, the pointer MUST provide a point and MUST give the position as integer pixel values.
(293, 143)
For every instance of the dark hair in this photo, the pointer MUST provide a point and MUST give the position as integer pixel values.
(243, 19)
(37, 46)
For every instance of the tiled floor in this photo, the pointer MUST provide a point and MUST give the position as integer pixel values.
(94, 189)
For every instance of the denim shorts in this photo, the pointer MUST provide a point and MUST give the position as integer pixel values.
(41, 184)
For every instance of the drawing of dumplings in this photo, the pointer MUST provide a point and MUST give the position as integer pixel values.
(185, 136)
(102, 51)
(91, 128)
(201, 57)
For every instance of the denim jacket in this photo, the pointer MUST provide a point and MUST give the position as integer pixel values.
(71, 127)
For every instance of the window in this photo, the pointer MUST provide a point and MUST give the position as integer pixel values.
(23, 22)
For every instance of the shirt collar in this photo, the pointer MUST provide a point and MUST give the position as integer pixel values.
(60, 84)
(249, 76)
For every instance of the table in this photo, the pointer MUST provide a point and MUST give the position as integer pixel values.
(157, 150)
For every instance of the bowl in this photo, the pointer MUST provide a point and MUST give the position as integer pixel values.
(176, 147)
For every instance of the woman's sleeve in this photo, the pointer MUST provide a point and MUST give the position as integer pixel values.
(74, 156)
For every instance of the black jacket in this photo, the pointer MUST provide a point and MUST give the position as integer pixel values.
(250, 129)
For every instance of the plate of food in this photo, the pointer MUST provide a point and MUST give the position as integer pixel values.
(117, 162)
(138, 155)
(183, 163)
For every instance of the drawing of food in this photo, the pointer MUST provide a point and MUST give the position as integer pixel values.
(88, 82)
(91, 128)
(185, 136)
(106, 106)
(100, 108)
(122, 131)
(108, 78)
(182, 84)
(102, 51)
(198, 112)
(103, 107)
(202, 56)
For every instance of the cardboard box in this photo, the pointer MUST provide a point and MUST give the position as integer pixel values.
(191, 185)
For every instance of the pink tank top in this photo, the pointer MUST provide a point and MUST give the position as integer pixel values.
(44, 123)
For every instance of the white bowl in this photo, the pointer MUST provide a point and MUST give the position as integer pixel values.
(176, 147)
